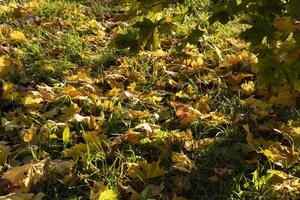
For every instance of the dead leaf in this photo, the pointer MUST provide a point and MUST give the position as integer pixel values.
(26, 176)
(182, 162)
(144, 170)
(4, 152)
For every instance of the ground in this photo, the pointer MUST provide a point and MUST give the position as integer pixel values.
(81, 119)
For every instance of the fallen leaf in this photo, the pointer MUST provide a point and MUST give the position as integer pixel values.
(144, 170)
(182, 162)
(281, 155)
(108, 195)
(17, 36)
(23, 196)
(4, 152)
(26, 176)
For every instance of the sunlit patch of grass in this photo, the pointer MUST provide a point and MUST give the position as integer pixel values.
(55, 8)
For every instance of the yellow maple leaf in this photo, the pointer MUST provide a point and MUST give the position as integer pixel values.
(9, 91)
(281, 155)
(33, 99)
(29, 133)
(258, 106)
(182, 162)
(283, 182)
(71, 91)
(17, 36)
(248, 87)
(144, 170)
(4, 65)
(26, 176)
(283, 98)
(108, 194)
(69, 112)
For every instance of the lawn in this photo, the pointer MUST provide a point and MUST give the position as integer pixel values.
(88, 112)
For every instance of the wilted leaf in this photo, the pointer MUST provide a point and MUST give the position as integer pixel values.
(28, 134)
(284, 182)
(4, 152)
(26, 176)
(182, 162)
(23, 196)
(33, 99)
(144, 170)
(9, 91)
(281, 155)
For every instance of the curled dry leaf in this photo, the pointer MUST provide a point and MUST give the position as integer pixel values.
(26, 176)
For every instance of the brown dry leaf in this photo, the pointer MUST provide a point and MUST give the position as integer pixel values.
(234, 80)
(23, 196)
(186, 115)
(219, 173)
(222, 171)
(61, 166)
(26, 176)
(285, 24)
(4, 152)
(144, 170)
(182, 162)
(284, 182)
(130, 136)
(46, 92)
(134, 195)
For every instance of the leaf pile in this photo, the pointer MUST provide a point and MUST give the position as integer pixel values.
(82, 120)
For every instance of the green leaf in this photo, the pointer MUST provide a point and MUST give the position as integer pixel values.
(192, 38)
(294, 8)
(261, 27)
(66, 135)
(126, 40)
(223, 11)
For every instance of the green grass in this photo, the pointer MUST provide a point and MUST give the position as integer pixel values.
(59, 44)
